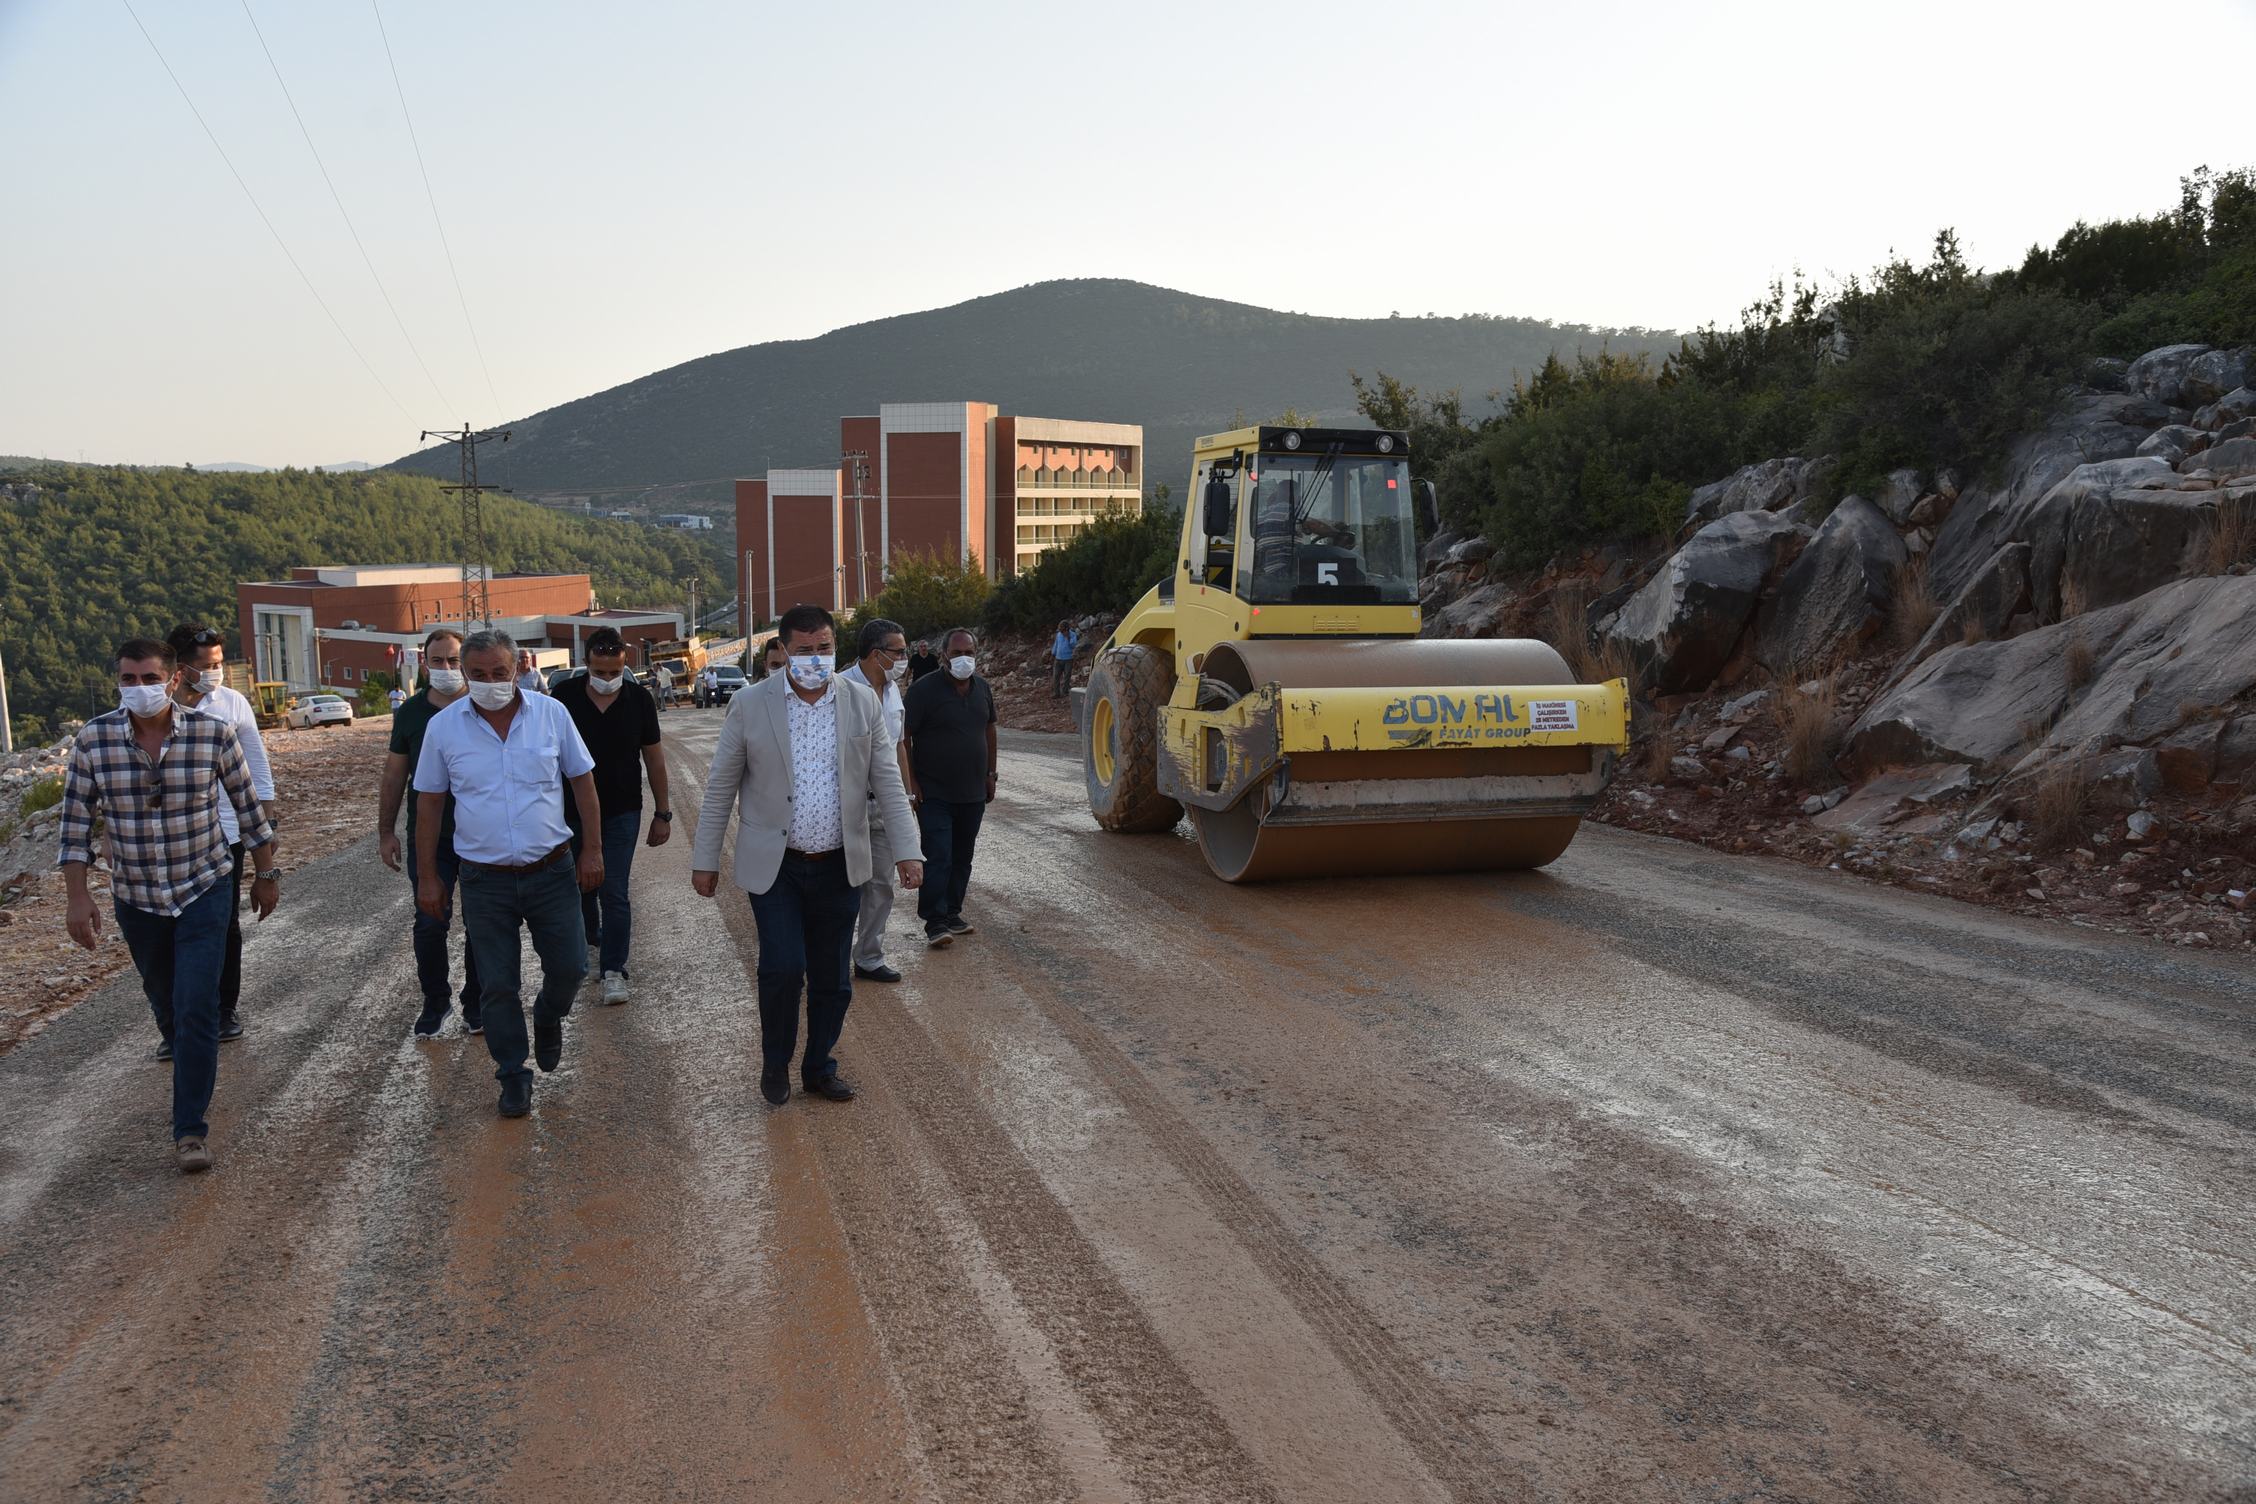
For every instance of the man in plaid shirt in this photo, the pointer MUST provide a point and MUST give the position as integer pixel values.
(155, 771)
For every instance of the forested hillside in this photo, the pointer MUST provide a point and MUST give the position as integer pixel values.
(1119, 352)
(100, 553)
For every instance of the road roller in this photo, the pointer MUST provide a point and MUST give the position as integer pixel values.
(1274, 684)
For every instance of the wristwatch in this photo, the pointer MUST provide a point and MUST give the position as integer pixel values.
(270, 875)
(666, 815)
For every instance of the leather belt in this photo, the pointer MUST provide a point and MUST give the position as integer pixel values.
(813, 856)
(549, 860)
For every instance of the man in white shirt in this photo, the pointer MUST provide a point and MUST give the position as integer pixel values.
(881, 667)
(803, 760)
(529, 677)
(507, 757)
(202, 660)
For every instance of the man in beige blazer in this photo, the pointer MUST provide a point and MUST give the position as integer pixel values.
(803, 755)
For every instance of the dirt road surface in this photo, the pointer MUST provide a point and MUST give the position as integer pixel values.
(1660, 1175)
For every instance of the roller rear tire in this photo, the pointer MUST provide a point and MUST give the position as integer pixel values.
(1120, 750)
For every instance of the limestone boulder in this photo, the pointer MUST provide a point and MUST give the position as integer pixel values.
(1438, 546)
(2237, 403)
(2173, 442)
(2211, 375)
(2158, 662)
(2161, 374)
(2095, 426)
(1680, 628)
(2228, 460)
(1471, 551)
(1836, 595)
(2111, 531)
(1766, 486)
(1479, 613)
(1980, 612)
(1898, 494)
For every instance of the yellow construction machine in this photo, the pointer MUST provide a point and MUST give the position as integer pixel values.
(1275, 685)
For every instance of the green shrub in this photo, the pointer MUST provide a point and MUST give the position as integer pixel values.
(926, 594)
(44, 793)
(1106, 567)
(1945, 367)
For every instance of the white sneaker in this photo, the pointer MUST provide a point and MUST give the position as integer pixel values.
(614, 988)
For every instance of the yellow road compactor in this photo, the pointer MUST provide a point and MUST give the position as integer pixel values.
(1276, 687)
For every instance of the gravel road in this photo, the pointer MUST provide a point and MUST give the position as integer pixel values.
(1660, 1175)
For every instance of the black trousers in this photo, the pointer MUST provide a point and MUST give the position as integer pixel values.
(951, 834)
(231, 969)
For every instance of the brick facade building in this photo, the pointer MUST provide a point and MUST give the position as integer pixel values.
(957, 479)
(331, 627)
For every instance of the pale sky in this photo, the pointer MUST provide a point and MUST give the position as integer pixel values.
(627, 186)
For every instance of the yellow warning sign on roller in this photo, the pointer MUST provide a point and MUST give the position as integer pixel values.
(1466, 715)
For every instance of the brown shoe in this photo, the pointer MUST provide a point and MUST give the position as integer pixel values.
(191, 1155)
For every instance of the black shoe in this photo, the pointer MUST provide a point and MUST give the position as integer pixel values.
(230, 1027)
(776, 1087)
(516, 1096)
(548, 1042)
(473, 1020)
(427, 1022)
(877, 973)
(164, 1050)
(831, 1088)
(938, 935)
(958, 925)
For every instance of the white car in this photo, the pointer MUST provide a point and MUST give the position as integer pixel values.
(320, 710)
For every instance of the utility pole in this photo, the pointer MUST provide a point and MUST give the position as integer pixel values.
(477, 561)
(860, 460)
(744, 614)
(7, 726)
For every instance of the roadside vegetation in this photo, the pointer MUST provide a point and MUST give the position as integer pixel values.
(100, 553)
(1931, 364)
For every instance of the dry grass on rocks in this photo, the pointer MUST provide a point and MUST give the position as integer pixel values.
(1808, 720)
(1916, 607)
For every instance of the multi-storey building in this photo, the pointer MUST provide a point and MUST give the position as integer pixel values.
(957, 479)
(331, 627)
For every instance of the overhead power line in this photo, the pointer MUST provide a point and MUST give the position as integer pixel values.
(344, 214)
(417, 143)
(282, 244)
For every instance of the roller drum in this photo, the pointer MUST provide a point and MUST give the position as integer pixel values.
(1239, 847)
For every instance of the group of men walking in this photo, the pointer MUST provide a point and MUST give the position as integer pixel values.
(528, 807)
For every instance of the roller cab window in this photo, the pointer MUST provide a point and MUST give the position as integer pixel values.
(1328, 529)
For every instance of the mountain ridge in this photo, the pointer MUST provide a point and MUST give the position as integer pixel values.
(1096, 348)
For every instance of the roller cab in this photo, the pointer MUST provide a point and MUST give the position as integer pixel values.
(1276, 688)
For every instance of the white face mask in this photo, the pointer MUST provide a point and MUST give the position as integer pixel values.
(896, 672)
(205, 681)
(961, 665)
(603, 686)
(144, 699)
(447, 681)
(810, 670)
(492, 696)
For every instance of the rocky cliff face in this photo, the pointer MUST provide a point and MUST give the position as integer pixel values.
(2077, 631)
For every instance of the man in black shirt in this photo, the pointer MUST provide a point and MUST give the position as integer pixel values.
(948, 732)
(618, 719)
(923, 661)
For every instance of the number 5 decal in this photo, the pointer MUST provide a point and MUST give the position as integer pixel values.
(1327, 573)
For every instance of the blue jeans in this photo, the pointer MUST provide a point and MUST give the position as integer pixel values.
(179, 958)
(606, 914)
(431, 939)
(951, 834)
(806, 921)
(547, 903)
